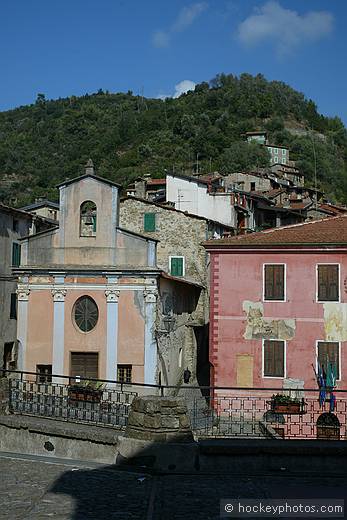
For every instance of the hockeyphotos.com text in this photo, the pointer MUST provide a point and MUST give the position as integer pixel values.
(282, 508)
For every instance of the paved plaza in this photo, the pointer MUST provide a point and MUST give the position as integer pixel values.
(34, 489)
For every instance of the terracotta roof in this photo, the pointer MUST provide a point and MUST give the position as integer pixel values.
(331, 208)
(156, 182)
(328, 231)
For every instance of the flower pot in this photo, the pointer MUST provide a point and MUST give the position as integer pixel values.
(88, 395)
(286, 408)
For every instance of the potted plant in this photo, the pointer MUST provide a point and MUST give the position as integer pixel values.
(88, 391)
(281, 403)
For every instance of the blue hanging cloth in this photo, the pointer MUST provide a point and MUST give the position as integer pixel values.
(332, 402)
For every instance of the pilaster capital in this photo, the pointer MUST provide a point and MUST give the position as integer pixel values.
(58, 295)
(23, 292)
(150, 296)
(112, 295)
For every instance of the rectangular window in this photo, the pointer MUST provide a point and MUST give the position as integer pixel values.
(177, 265)
(252, 186)
(328, 283)
(124, 373)
(273, 358)
(84, 364)
(284, 151)
(274, 283)
(13, 308)
(328, 354)
(15, 254)
(149, 222)
(44, 373)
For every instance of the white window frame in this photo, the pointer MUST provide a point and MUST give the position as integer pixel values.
(327, 301)
(284, 151)
(285, 282)
(284, 359)
(183, 266)
(340, 360)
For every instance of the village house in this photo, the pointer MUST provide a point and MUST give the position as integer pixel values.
(92, 301)
(279, 306)
(14, 224)
(180, 253)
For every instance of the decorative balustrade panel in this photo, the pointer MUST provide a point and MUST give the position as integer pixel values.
(257, 415)
(108, 406)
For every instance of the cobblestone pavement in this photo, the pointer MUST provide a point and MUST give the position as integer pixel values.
(35, 489)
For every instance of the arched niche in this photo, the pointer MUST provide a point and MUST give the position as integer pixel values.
(88, 219)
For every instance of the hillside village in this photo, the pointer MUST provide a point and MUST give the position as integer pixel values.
(131, 281)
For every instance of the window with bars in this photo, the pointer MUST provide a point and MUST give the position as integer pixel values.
(13, 308)
(44, 373)
(328, 283)
(15, 254)
(86, 313)
(124, 373)
(274, 358)
(328, 353)
(274, 283)
(149, 222)
(177, 265)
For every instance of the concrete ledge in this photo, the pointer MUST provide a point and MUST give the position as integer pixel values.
(46, 437)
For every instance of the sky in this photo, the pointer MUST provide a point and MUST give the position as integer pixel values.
(161, 48)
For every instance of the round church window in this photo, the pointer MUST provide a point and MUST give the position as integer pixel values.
(86, 313)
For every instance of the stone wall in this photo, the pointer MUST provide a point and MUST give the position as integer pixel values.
(159, 419)
(4, 395)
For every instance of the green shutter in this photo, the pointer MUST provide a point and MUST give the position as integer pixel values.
(15, 254)
(149, 222)
(176, 267)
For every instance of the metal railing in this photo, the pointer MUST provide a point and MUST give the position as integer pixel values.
(213, 411)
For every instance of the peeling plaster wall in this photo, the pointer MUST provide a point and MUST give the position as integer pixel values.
(335, 321)
(259, 327)
(241, 320)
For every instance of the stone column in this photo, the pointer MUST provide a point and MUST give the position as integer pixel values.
(150, 367)
(58, 333)
(112, 297)
(23, 292)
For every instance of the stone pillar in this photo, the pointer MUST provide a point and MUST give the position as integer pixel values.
(58, 333)
(158, 435)
(23, 292)
(112, 297)
(4, 395)
(150, 367)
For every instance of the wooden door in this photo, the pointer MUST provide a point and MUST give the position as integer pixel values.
(85, 364)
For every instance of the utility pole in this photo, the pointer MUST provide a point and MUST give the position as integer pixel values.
(315, 165)
(197, 163)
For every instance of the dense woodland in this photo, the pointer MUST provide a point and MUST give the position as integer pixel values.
(127, 136)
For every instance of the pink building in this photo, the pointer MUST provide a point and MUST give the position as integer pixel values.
(279, 305)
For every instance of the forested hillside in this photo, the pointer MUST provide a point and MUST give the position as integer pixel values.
(126, 136)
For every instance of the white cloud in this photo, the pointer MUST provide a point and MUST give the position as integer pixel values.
(287, 29)
(187, 15)
(185, 18)
(160, 39)
(183, 86)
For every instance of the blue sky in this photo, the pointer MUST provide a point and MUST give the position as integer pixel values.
(162, 47)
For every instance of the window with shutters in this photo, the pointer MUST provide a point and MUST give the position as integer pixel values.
(177, 267)
(13, 308)
(149, 221)
(273, 358)
(274, 282)
(84, 364)
(328, 353)
(124, 373)
(15, 254)
(328, 283)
